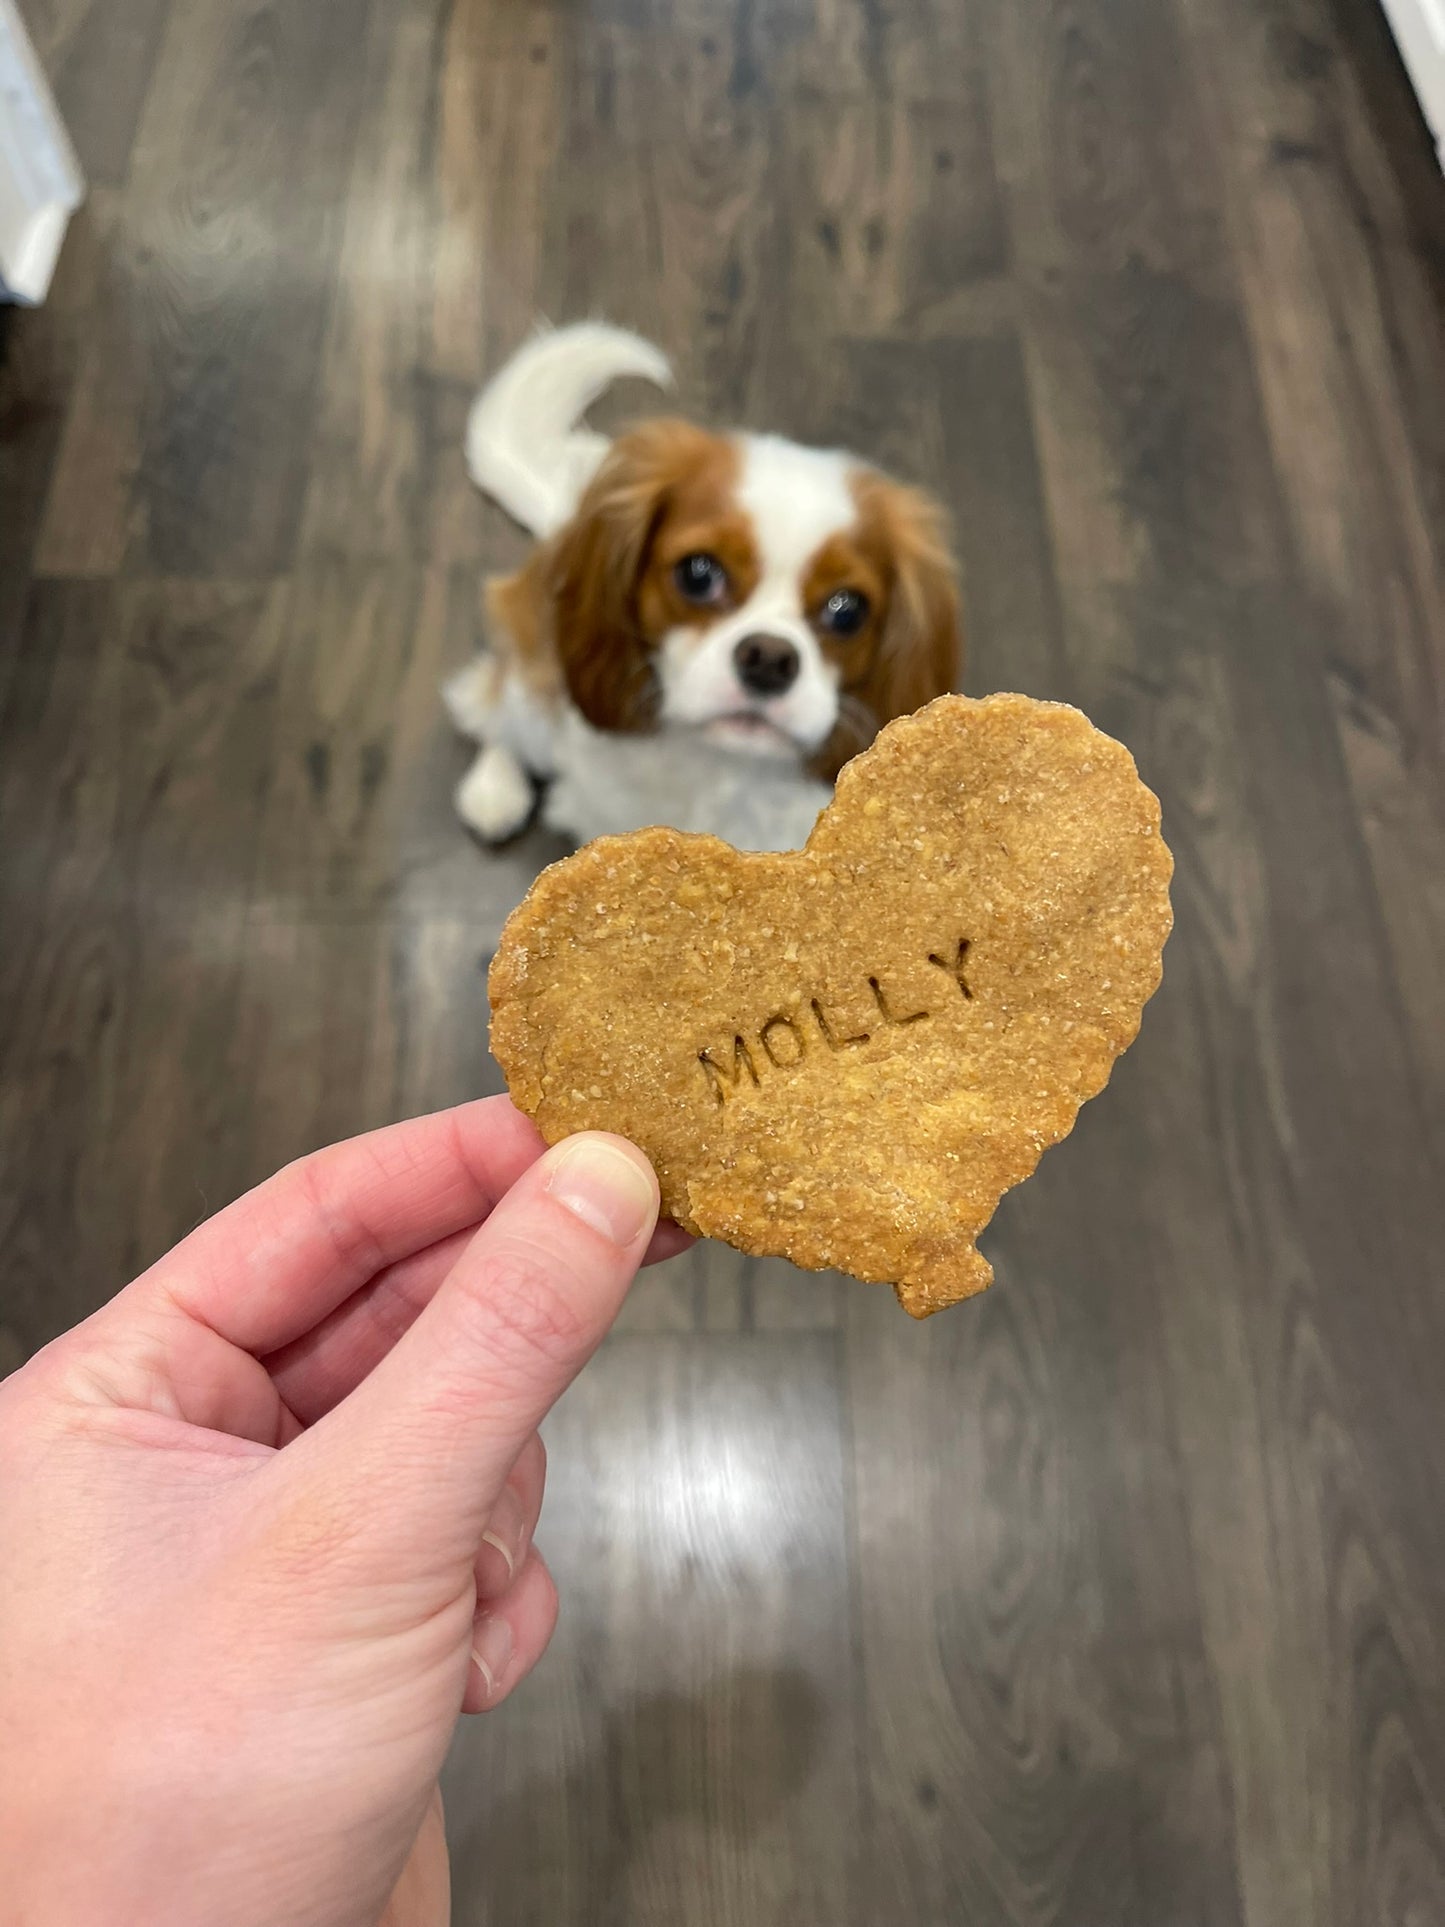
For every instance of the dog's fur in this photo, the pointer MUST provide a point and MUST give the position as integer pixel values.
(829, 608)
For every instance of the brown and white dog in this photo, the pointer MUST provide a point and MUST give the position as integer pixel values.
(710, 625)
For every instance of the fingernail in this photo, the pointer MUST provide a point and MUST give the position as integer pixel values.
(491, 1649)
(604, 1187)
(506, 1532)
(492, 1538)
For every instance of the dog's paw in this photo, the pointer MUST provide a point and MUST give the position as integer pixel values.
(495, 797)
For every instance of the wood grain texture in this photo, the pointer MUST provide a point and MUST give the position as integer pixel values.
(367, 485)
(38, 371)
(689, 1737)
(90, 502)
(1112, 1600)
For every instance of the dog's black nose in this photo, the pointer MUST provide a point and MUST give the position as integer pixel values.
(766, 665)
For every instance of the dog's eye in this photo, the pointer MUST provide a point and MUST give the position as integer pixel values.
(701, 578)
(844, 613)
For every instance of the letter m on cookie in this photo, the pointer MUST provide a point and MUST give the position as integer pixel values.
(723, 1077)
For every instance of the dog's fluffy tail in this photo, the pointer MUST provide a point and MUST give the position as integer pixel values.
(523, 443)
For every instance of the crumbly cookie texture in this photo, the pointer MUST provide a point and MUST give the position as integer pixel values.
(846, 1055)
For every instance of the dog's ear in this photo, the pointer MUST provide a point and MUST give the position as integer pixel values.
(595, 568)
(920, 652)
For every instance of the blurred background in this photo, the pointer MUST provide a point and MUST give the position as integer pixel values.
(1117, 1596)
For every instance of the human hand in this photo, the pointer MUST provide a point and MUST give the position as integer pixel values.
(266, 1523)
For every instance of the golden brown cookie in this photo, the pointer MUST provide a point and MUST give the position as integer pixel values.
(846, 1055)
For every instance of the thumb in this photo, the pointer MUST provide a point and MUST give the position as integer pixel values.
(424, 1444)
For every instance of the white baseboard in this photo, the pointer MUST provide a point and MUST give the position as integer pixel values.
(40, 180)
(1419, 30)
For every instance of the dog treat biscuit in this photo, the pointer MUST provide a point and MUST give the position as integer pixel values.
(847, 1054)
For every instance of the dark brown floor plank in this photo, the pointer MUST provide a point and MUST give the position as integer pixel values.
(496, 120)
(41, 351)
(357, 818)
(368, 487)
(141, 715)
(231, 224)
(1349, 335)
(90, 505)
(902, 204)
(1041, 1733)
(955, 416)
(1401, 814)
(133, 729)
(661, 207)
(1342, 278)
(1356, 1178)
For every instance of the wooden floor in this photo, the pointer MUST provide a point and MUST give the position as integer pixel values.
(1116, 1599)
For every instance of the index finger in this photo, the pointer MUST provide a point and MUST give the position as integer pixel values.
(283, 1257)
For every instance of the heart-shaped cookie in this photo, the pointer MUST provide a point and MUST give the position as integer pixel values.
(846, 1055)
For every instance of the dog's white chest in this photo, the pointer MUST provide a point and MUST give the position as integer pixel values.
(607, 785)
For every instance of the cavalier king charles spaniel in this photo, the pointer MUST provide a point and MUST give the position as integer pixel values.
(710, 624)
